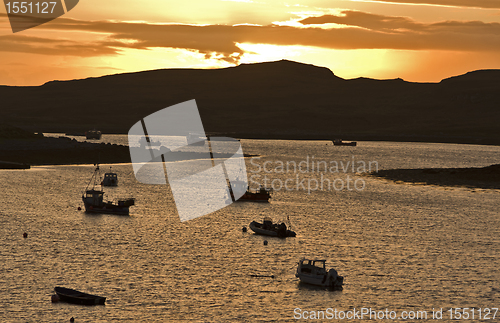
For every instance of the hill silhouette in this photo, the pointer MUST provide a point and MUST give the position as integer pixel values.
(282, 99)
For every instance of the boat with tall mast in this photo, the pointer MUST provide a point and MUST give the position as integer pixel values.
(93, 199)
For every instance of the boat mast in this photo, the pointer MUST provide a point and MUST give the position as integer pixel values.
(94, 178)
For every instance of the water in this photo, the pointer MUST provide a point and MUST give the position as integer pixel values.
(399, 246)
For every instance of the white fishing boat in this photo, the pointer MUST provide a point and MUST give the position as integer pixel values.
(313, 271)
(196, 139)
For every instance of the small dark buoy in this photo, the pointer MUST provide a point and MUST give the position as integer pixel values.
(54, 298)
(265, 242)
(244, 229)
(72, 319)
(25, 235)
(79, 208)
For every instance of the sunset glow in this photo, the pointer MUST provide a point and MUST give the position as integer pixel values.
(416, 40)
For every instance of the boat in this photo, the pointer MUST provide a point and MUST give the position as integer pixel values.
(110, 179)
(146, 141)
(72, 296)
(93, 199)
(262, 194)
(339, 142)
(196, 139)
(93, 134)
(268, 228)
(313, 272)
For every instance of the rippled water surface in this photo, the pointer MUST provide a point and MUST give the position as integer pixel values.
(399, 246)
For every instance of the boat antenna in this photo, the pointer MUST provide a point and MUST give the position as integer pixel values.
(93, 178)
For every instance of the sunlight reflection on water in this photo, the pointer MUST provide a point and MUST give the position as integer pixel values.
(399, 246)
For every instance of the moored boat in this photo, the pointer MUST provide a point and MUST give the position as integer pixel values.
(196, 139)
(268, 228)
(93, 200)
(93, 134)
(313, 272)
(72, 296)
(110, 179)
(262, 194)
(147, 142)
(340, 142)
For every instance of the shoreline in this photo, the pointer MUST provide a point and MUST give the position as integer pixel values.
(438, 139)
(45, 151)
(472, 177)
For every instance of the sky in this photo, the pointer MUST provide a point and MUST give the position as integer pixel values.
(416, 40)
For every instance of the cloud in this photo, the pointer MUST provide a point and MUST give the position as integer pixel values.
(486, 4)
(46, 46)
(393, 24)
(364, 31)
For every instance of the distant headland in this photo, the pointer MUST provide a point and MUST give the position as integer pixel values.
(472, 177)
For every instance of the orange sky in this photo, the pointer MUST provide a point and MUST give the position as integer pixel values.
(417, 40)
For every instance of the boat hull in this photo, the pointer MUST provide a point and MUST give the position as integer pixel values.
(107, 209)
(354, 143)
(254, 197)
(321, 281)
(312, 279)
(72, 296)
(309, 272)
(258, 229)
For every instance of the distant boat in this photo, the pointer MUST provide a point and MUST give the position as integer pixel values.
(145, 141)
(72, 296)
(268, 228)
(196, 139)
(93, 200)
(110, 179)
(261, 194)
(339, 142)
(313, 271)
(93, 134)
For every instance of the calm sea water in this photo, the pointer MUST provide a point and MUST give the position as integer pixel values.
(400, 247)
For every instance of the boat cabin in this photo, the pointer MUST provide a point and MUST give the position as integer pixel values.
(268, 222)
(312, 266)
(238, 185)
(94, 197)
(110, 179)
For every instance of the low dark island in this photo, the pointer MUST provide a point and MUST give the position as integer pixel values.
(24, 148)
(485, 177)
(19, 149)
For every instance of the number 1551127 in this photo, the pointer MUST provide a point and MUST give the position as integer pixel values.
(30, 7)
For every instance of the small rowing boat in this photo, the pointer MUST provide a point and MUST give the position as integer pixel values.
(72, 296)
